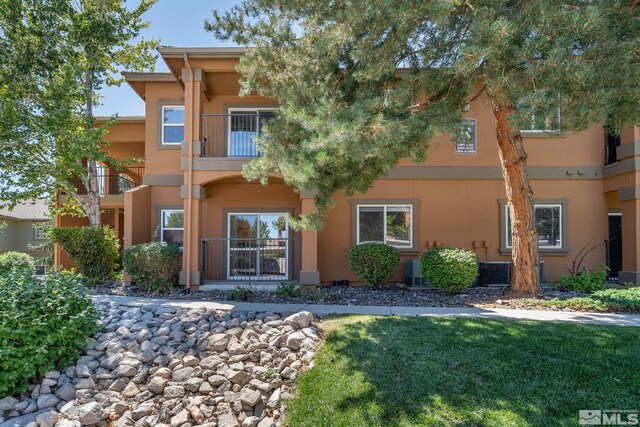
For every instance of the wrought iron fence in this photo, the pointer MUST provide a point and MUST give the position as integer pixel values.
(248, 259)
(232, 135)
(112, 181)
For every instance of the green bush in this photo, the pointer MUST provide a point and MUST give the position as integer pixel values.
(241, 293)
(10, 261)
(451, 269)
(288, 288)
(44, 324)
(93, 249)
(607, 300)
(153, 266)
(373, 262)
(586, 281)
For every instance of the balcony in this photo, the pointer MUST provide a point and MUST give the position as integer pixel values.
(112, 182)
(232, 135)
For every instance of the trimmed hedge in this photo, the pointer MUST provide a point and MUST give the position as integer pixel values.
(451, 269)
(374, 262)
(153, 266)
(10, 261)
(44, 324)
(93, 249)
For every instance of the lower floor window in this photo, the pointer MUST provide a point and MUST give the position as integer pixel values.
(548, 219)
(391, 224)
(172, 226)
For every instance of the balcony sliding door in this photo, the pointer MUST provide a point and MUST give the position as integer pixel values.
(244, 125)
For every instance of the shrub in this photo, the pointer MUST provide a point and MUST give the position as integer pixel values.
(585, 281)
(373, 262)
(619, 299)
(10, 261)
(451, 269)
(241, 293)
(44, 323)
(607, 300)
(287, 288)
(153, 266)
(93, 249)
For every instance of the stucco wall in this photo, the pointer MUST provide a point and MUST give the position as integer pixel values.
(18, 235)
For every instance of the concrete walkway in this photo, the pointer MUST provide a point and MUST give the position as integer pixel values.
(492, 313)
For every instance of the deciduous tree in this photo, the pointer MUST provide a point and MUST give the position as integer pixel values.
(362, 84)
(56, 55)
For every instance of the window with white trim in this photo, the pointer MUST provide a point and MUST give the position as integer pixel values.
(465, 139)
(40, 231)
(390, 224)
(548, 219)
(172, 124)
(172, 226)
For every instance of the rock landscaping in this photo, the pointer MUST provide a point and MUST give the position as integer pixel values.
(167, 366)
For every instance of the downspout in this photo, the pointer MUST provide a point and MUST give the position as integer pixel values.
(189, 117)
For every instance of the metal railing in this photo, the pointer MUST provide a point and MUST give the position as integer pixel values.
(112, 181)
(232, 135)
(228, 259)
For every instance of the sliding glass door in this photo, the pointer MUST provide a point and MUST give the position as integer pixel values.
(258, 246)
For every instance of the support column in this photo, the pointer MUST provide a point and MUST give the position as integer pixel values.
(630, 242)
(629, 196)
(191, 255)
(309, 274)
(194, 92)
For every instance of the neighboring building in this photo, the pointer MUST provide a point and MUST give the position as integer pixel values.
(197, 133)
(22, 232)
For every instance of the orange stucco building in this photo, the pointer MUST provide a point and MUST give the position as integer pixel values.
(197, 133)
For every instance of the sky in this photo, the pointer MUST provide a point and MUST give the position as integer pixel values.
(175, 23)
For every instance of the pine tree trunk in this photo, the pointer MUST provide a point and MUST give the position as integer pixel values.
(525, 274)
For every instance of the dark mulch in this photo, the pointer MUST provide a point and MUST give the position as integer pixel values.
(353, 295)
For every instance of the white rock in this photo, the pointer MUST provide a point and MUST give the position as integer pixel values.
(300, 320)
(90, 413)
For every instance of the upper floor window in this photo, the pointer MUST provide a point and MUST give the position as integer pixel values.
(465, 139)
(611, 144)
(390, 224)
(540, 122)
(40, 230)
(172, 226)
(172, 124)
(548, 218)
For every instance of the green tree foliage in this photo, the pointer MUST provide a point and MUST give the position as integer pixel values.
(362, 84)
(55, 55)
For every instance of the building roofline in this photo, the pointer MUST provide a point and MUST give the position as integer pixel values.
(121, 119)
(148, 77)
(202, 52)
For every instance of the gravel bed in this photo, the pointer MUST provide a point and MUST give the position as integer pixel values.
(397, 296)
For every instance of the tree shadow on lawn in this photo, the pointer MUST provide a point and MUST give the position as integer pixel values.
(460, 372)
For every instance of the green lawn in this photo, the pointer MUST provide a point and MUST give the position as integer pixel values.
(398, 371)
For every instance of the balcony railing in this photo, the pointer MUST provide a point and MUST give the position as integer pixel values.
(249, 260)
(232, 135)
(112, 181)
(611, 144)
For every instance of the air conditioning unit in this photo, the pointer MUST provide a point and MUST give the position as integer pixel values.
(489, 273)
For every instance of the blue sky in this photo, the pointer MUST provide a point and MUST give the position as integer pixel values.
(175, 23)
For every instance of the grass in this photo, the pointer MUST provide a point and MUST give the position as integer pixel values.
(616, 300)
(399, 371)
